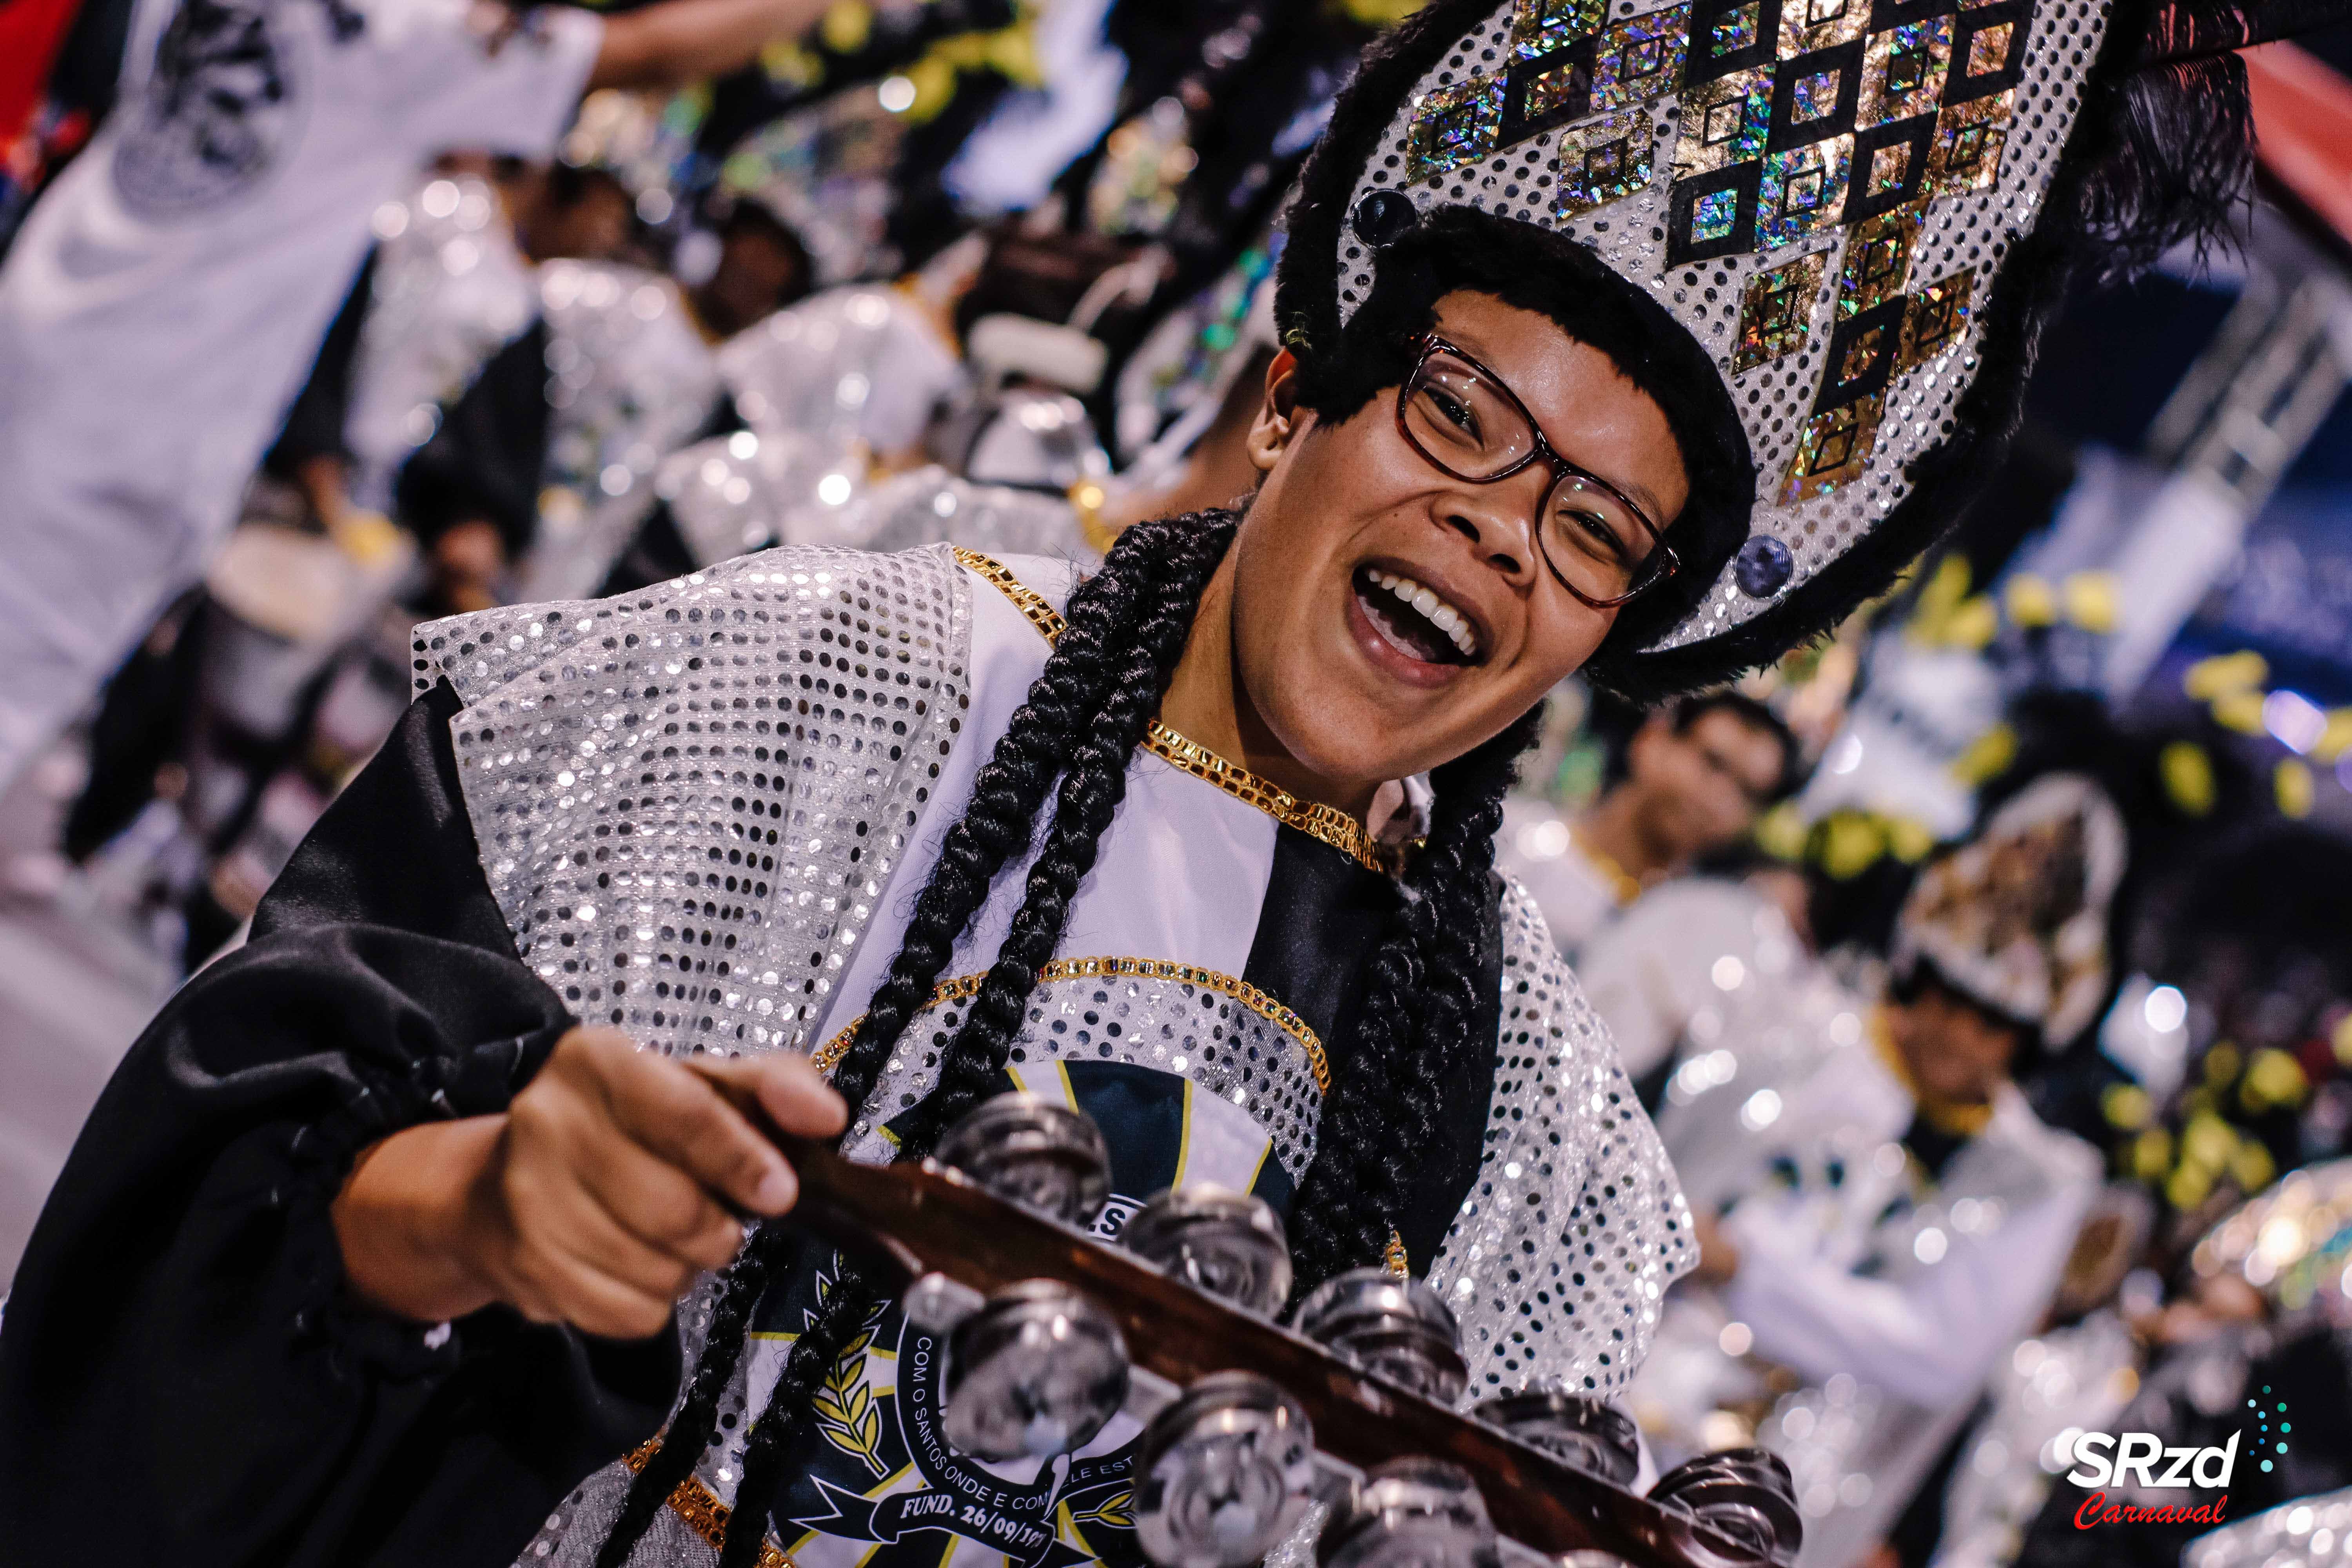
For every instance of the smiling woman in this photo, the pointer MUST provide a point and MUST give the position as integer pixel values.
(419, 1178)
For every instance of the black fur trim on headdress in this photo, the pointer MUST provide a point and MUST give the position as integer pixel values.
(2149, 163)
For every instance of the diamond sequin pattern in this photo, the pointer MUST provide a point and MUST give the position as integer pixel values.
(1902, 70)
(666, 787)
(1455, 125)
(1639, 59)
(1803, 192)
(1541, 26)
(1969, 139)
(1724, 122)
(1557, 1265)
(1604, 161)
(1776, 312)
(1935, 318)
(1877, 261)
(1834, 448)
(1810, 25)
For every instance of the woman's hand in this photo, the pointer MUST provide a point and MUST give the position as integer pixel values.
(594, 1200)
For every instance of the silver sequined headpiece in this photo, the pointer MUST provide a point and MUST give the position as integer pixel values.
(1830, 196)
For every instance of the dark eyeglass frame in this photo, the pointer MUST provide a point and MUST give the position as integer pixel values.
(1661, 564)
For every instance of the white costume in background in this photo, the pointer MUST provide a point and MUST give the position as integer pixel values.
(1704, 960)
(1889, 1292)
(450, 290)
(1536, 848)
(165, 297)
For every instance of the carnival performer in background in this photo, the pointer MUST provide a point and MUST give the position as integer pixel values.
(1696, 776)
(373, 1249)
(544, 468)
(1888, 1221)
(166, 296)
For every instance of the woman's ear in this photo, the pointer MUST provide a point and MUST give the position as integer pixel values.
(1277, 417)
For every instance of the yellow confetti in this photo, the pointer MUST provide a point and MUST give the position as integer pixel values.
(2030, 601)
(2187, 774)
(1909, 840)
(2273, 1078)
(1986, 755)
(2342, 1040)
(2091, 601)
(2293, 781)
(2240, 710)
(846, 25)
(2337, 738)
(2126, 1105)
(2210, 678)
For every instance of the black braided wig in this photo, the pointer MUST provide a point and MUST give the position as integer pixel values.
(1074, 737)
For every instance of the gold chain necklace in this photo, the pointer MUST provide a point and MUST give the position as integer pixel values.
(1325, 823)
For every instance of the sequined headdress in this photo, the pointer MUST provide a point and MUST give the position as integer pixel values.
(2017, 919)
(1859, 210)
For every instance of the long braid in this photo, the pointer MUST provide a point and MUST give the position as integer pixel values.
(1006, 795)
(1043, 736)
(690, 1429)
(1093, 785)
(1421, 995)
(1171, 566)
(995, 826)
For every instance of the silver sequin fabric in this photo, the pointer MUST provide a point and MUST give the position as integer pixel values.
(1558, 1261)
(689, 799)
(1194, 1031)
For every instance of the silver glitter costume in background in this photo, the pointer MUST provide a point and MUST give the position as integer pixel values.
(450, 290)
(2309, 1533)
(629, 380)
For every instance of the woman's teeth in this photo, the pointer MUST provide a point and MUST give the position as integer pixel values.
(1451, 623)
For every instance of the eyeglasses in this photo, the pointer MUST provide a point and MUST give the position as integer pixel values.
(1462, 419)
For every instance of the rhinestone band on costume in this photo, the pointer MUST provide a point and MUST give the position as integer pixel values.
(1821, 190)
(699, 1507)
(964, 987)
(1325, 823)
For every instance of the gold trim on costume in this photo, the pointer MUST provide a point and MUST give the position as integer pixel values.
(1325, 824)
(1031, 603)
(704, 1514)
(1395, 1260)
(963, 987)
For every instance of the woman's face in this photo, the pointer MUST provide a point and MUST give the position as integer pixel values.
(1356, 684)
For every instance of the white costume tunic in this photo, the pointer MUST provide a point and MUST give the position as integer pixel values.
(165, 297)
(705, 811)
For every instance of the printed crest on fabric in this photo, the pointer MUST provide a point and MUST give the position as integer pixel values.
(1821, 190)
(227, 94)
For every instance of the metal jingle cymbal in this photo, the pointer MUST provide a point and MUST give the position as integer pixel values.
(1223, 1474)
(1588, 1434)
(1033, 1152)
(1412, 1513)
(1743, 1494)
(1035, 1371)
(1397, 1328)
(1228, 1244)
